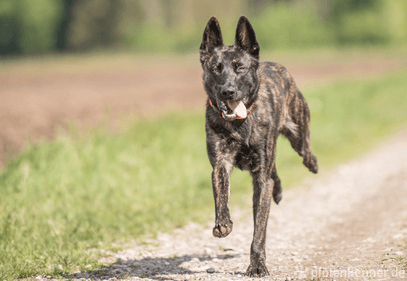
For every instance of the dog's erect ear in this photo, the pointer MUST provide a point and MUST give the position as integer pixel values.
(246, 38)
(212, 36)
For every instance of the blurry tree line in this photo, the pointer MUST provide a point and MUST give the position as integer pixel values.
(40, 26)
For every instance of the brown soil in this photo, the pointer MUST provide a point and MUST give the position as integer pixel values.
(37, 99)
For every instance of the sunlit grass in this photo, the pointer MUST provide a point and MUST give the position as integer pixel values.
(60, 198)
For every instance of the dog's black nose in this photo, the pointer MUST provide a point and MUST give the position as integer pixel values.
(227, 93)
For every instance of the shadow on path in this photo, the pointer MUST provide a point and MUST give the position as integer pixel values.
(153, 268)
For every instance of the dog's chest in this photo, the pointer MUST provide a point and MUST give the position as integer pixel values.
(241, 131)
(246, 141)
(244, 158)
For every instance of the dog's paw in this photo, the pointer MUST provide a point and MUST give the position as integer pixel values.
(222, 229)
(257, 270)
(277, 196)
(311, 163)
(277, 192)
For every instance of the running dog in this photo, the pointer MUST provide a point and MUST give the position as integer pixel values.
(249, 104)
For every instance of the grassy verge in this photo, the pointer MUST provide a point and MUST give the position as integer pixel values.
(61, 198)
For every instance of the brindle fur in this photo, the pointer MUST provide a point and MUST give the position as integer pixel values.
(234, 72)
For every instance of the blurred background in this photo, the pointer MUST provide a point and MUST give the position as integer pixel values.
(102, 137)
(42, 26)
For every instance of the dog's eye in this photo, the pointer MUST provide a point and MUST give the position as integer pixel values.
(240, 68)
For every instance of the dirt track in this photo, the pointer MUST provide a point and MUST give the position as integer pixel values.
(350, 224)
(34, 101)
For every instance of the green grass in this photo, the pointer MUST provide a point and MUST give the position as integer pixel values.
(59, 199)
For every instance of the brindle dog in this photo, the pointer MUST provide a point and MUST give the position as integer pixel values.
(269, 104)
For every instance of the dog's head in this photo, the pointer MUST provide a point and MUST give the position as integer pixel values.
(230, 72)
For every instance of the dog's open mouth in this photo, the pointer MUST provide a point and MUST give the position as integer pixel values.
(232, 110)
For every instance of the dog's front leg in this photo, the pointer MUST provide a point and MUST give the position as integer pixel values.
(262, 196)
(221, 194)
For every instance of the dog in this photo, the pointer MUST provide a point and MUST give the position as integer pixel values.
(249, 104)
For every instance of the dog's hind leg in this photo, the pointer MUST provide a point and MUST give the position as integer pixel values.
(296, 129)
(221, 194)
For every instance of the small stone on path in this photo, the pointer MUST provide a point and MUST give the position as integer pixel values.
(210, 270)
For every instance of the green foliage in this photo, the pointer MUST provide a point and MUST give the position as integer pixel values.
(360, 22)
(29, 26)
(286, 26)
(61, 198)
(95, 24)
(283, 24)
(38, 25)
(350, 22)
(176, 26)
(7, 26)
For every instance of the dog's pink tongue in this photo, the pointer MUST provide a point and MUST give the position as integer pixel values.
(238, 108)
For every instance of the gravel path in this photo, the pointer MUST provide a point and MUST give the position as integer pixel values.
(349, 224)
